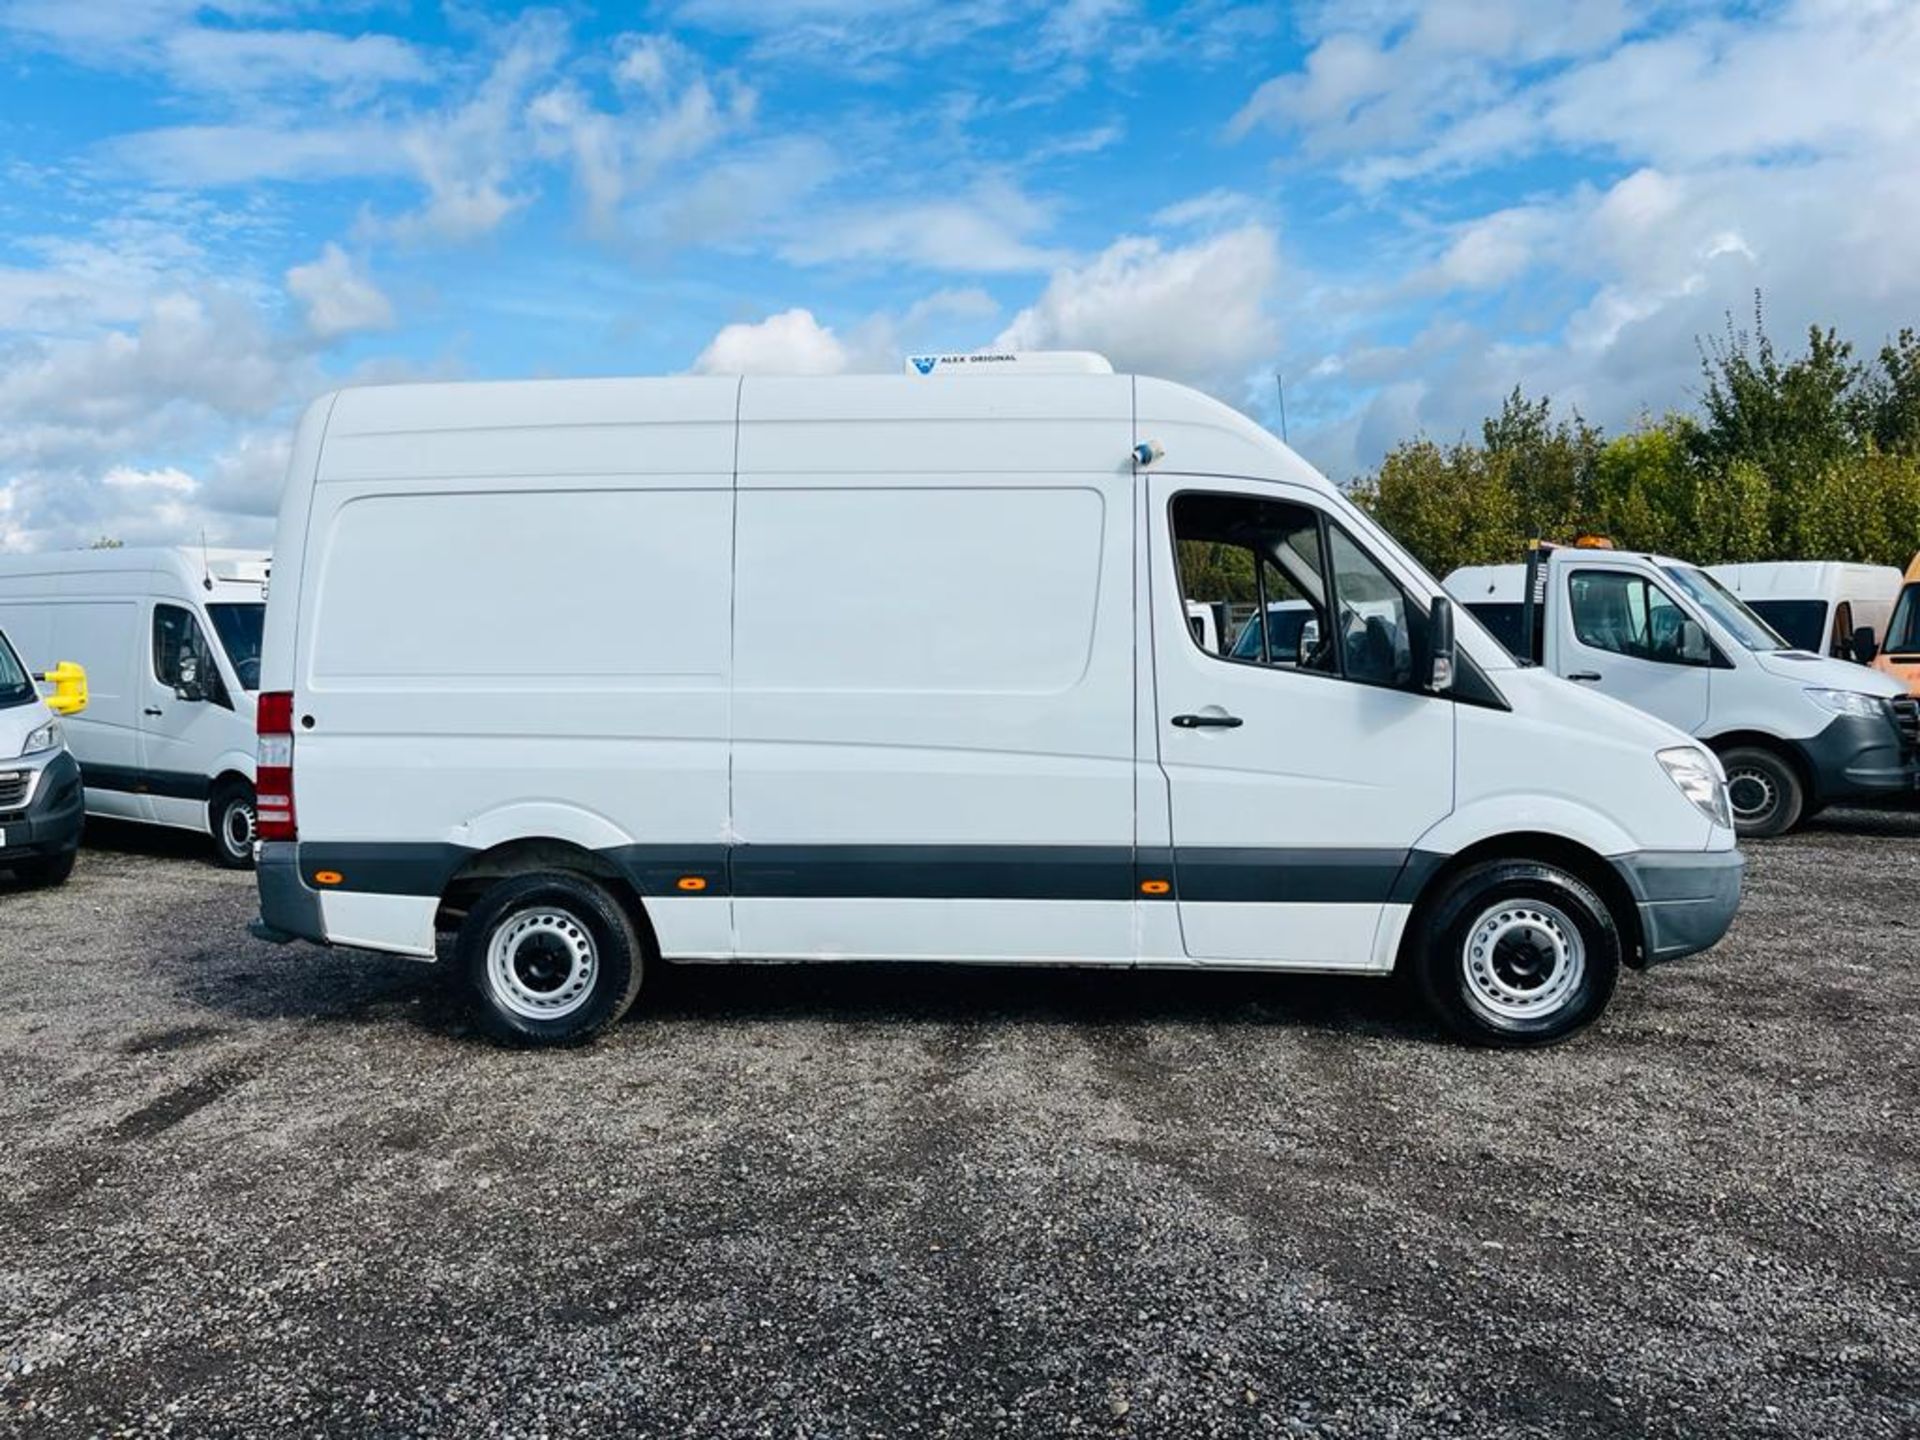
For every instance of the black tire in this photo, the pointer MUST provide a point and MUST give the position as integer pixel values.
(1530, 960)
(230, 816)
(45, 869)
(1767, 794)
(566, 923)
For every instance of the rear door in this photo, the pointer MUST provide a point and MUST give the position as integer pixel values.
(1619, 630)
(1299, 777)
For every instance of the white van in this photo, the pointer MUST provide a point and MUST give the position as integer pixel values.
(40, 806)
(605, 672)
(1795, 730)
(1825, 607)
(170, 639)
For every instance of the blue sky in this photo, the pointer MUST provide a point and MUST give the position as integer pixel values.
(210, 213)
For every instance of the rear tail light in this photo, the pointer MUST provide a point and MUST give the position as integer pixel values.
(273, 787)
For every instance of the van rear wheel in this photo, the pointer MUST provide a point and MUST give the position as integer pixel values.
(548, 959)
(1765, 791)
(1517, 953)
(230, 816)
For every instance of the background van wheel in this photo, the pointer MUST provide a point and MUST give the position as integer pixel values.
(1516, 953)
(230, 817)
(1768, 798)
(45, 869)
(548, 959)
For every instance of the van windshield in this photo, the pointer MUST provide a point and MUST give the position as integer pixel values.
(240, 627)
(1903, 631)
(1801, 623)
(16, 686)
(1726, 609)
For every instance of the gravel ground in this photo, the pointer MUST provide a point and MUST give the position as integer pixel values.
(248, 1190)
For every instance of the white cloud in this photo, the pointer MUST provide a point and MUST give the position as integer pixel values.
(1200, 313)
(988, 230)
(338, 298)
(790, 343)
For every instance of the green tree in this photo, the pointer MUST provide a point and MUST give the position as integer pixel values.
(1451, 507)
(1892, 397)
(1548, 463)
(1643, 484)
(1793, 417)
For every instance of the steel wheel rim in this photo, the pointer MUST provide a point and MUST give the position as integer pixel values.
(1755, 788)
(1523, 960)
(236, 828)
(541, 963)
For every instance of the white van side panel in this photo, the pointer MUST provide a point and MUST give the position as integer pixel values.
(491, 654)
(966, 680)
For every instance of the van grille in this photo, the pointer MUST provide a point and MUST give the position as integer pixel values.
(14, 788)
(1906, 719)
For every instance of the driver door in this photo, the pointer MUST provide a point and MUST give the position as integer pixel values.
(1623, 633)
(180, 736)
(1299, 778)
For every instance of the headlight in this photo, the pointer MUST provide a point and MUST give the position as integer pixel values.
(1699, 780)
(47, 737)
(1850, 702)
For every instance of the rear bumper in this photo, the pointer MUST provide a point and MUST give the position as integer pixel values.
(50, 825)
(1856, 757)
(1686, 899)
(289, 908)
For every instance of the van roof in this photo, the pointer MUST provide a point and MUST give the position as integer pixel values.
(1003, 423)
(1801, 579)
(190, 562)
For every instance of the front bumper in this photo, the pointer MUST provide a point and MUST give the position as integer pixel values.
(50, 824)
(1857, 756)
(289, 909)
(1686, 898)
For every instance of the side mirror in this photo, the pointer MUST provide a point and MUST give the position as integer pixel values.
(1694, 649)
(1309, 643)
(186, 685)
(1440, 646)
(69, 681)
(1865, 647)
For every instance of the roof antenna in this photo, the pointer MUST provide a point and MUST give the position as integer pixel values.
(1281, 385)
(206, 565)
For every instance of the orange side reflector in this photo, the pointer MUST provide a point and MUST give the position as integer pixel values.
(327, 877)
(692, 882)
(1154, 887)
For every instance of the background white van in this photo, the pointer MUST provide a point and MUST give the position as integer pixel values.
(1819, 606)
(602, 672)
(170, 640)
(1795, 730)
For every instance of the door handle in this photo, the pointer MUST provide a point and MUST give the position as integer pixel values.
(151, 710)
(1584, 675)
(1217, 722)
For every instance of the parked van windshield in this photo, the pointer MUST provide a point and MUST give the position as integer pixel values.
(240, 627)
(16, 687)
(1801, 623)
(1726, 608)
(1903, 630)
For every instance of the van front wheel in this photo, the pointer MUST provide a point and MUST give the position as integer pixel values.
(1766, 794)
(548, 959)
(1516, 953)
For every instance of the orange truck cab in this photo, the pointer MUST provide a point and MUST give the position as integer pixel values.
(1900, 651)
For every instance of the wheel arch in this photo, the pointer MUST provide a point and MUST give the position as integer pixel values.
(1786, 750)
(1542, 847)
(534, 854)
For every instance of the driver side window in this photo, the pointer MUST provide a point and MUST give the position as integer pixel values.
(1298, 591)
(182, 660)
(1628, 615)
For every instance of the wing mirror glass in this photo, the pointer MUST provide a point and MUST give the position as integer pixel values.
(1694, 649)
(1440, 656)
(1309, 644)
(1865, 647)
